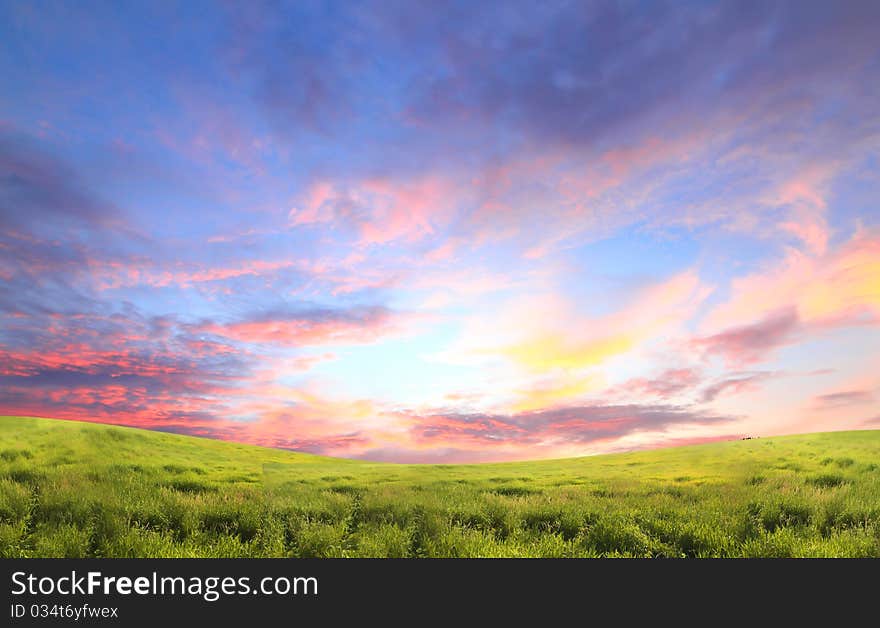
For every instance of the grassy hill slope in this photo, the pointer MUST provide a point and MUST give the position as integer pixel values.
(80, 489)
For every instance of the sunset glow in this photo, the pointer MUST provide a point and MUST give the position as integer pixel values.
(461, 232)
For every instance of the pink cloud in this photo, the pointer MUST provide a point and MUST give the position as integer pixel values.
(844, 398)
(838, 288)
(379, 210)
(118, 274)
(669, 383)
(734, 384)
(314, 207)
(407, 211)
(804, 197)
(315, 327)
(576, 425)
(750, 343)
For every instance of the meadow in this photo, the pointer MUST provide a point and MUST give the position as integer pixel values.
(86, 490)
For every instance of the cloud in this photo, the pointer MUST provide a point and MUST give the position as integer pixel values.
(56, 223)
(560, 73)
(804, 196)
(37, 188)
(735, 383)
(554, 111)
(838, 288)
(844, 398)
(752, 342)
(308, 326)
(548, 395)
(454, 455)
(669, 383)
(138, 370)
(577, 425)
(807, 294)
(434, 455)
(569, 73)
(119, 274)
(160, 373)
(543, 353)
(330, 444)
(67, 355)
(498, 113)
(379, 210)
(304, 76)
(546, 334)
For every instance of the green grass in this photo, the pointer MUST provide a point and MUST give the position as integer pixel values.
(79, 489)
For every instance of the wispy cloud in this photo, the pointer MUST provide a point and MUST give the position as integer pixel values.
(735, 383)
(307, 326)
(750, 343)
(845, 398)
(579, 424)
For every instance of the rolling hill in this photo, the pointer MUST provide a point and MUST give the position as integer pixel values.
(81, 489)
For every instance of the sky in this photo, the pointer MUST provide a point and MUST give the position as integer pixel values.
(442, 231)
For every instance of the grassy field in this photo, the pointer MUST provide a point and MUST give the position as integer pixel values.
(77, 489)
